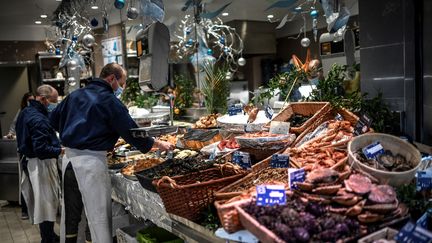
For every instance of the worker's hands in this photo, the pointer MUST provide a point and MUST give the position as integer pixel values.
(162, 145)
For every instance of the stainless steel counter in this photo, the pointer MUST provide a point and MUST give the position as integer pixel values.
(9, 174)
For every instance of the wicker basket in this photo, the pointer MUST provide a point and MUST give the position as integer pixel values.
(314, 109)
(228, 215)
(187, 196)
(329, 115)
(230, 191)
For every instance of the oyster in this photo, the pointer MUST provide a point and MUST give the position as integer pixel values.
(358, 184)
(382, 194)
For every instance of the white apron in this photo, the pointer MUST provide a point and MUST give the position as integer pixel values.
(94, 183)
(41, 190)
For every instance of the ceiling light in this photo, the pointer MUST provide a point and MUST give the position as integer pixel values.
(38, 22)
(44, 16)
(94, 7)
(270, 16)
(58, 0)
(225, 14)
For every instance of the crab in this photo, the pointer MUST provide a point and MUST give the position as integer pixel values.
(368, 217)
(345, 198)
(382, 194)
(358, 184)
(321, 181)
(356, 209)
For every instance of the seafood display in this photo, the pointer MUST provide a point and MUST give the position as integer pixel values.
(267, 176)
(305, 222)
(333, 133)
(358, 196)
(230, 144)
(209, 121)
(386, 161)
(298, 120)
(197, 139)
(176, 167)
(140, 165)
(171, 138)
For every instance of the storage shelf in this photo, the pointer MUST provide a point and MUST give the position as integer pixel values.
(53, 80)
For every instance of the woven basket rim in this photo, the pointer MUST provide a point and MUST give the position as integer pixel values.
(200, 184)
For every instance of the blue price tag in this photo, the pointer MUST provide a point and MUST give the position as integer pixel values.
(242, 159)
(423, 221)
(268, 195)
(295, 175)
(235, 109)
(424, 181)
(362, 125)
(269, 112)
(412, 233)
(373, 150)
(279, 161)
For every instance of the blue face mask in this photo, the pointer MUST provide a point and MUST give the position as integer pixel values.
(51, 106)
(118, 92)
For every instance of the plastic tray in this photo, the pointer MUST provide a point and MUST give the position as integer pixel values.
(152, 131)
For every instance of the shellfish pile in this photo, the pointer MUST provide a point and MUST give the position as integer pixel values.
(386, 161)
(358, 196)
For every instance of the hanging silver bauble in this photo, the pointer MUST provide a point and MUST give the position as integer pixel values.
(72, 64)
(132, 13)
(229, 75)
(72, 81)
(88, 40)
(241, 61)
(305, 42)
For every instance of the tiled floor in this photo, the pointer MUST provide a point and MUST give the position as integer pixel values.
(15, 230)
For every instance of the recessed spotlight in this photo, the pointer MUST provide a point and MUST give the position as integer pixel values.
(44, 16)
(225, 14)
(94, 7)
(270, 16)
(38, 22)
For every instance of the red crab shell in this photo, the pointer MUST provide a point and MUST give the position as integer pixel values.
(359, 184)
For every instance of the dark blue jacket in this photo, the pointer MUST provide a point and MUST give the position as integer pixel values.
(93, 118)
(36, 137)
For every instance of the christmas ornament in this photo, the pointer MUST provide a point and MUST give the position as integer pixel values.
(132, 13)
(241, 61)
(305, 42)
(94, 22)
(88, 40)
(119, 4)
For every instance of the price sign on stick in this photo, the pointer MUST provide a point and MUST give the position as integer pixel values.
(362, 125)
(242, 159)
(269, 112)
(268, 195)
(279, 161)
(295, 175)
(412, 233)
(373, 150)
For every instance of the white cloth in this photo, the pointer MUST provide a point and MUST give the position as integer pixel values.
(41, 190)
(91, 172)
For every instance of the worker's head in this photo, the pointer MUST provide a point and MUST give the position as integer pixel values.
(25, 99)
(47, 95)
(114, 74)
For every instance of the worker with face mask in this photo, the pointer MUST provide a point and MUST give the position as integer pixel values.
(90, 121)
(38, 142)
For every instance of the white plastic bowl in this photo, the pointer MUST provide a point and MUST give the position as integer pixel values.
(396, 146)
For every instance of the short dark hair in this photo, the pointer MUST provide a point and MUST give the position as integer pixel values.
(112, 68)
(25, 98)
